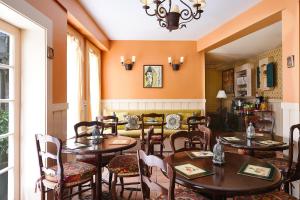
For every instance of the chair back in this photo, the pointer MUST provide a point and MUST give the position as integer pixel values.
(294, 171)
(261, 125)
(43, 156)
(109, 122)
(194, 121)
(158, 123)
(190, 137)
(81, 128)
(145, 164)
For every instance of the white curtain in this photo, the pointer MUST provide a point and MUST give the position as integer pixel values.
(94, 83)
(74, 82)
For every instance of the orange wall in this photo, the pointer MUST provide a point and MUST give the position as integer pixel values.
(59, 70)
(256, 17)
(187, 83)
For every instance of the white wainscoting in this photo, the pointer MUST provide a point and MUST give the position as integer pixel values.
(275, 106)
(290, 114)
(153, 104)
(59, 120)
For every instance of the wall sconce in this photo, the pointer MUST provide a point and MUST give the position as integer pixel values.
(176, 65)
(128, 63)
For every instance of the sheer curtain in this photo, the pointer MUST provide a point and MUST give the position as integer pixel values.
(74, 82)
(93, 82)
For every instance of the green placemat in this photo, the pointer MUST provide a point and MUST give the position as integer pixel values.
(258, 171)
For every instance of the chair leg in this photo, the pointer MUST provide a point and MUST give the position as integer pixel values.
(93, 189)
(71, 191)
(113, 187)
(109, 181)
(122, 186)
(42, 192)
(161, 150)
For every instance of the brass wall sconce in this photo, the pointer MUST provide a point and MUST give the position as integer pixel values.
(176, 65)
(128, 64)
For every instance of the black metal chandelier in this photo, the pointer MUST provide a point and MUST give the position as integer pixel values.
(169, 16)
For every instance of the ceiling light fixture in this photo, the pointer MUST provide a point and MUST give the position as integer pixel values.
(170, 16)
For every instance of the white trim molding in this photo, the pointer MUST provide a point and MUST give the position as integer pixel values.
(59, 107)
(153, 104)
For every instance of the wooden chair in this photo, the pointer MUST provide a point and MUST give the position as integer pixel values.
(109, 122)
(202, 138)
(145, 164)
(193, 123)
(157, 136)
(84, 129)
(261, 125)
(123, 166)
(62, 176)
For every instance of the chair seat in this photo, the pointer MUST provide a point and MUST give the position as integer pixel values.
(281, 163)
(91, 159)
(74, 173)
(184, 194)
(124, 165)
(276, 195)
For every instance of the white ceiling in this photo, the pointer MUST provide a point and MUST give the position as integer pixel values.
(248, 46)
(127, 20)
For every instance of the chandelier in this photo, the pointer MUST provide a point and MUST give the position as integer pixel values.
(170, 16)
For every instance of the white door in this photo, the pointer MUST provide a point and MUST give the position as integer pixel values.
(9, 107)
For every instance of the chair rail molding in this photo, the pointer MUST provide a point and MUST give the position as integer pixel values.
(153, 104)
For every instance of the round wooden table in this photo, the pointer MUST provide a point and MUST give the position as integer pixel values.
(254, 144)
(225, 182)
(105, 146)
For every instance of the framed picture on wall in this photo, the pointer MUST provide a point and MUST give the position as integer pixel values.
(153, 76)
(228, 81)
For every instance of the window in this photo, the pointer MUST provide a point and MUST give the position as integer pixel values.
(93, 65)
(74, 80)
(83, 93)
(9, 110)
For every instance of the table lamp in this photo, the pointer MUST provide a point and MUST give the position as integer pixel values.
(221, 95)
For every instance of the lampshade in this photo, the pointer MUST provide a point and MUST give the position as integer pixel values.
(221, 94)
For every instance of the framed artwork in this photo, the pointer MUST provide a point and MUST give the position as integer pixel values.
(153, 76)
(291, 61)
(228, 81)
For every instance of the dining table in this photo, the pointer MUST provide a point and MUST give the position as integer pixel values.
(105, 144)
(225, 180)
(261, 142)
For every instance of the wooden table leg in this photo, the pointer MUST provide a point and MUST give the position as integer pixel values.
(98, 177)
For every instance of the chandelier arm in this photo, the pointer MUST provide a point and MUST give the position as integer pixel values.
(146, 10)
(186, 13)
(170, 5)
(161, 12)
(184, 22)
(162, 23)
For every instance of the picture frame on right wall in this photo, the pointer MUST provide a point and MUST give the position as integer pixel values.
(291, 61)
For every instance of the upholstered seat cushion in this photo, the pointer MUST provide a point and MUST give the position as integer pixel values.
(124, 165)
(276, 195)
(74, 172)
(184, 194)
(281, 163)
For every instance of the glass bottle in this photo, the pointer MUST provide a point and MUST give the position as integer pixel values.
(250, 131)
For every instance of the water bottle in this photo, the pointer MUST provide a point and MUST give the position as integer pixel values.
(250, 131)
(96, 135)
